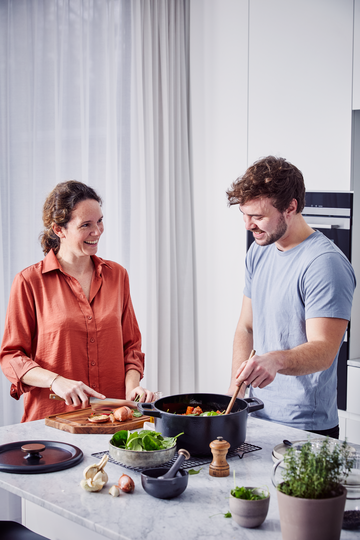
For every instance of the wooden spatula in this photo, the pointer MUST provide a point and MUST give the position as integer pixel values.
(231, 404)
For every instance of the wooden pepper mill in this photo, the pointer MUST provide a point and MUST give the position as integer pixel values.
(219, 466)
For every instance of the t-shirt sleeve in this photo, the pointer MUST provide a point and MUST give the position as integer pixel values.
(249, 264)
(328, 287)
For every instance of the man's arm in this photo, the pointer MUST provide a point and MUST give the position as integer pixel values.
(243, 341)
(324, 337)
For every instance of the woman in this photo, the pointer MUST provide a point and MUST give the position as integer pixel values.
(70, 326)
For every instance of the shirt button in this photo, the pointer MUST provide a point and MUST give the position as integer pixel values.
(93, 385)
(93, 363)
(92, 340)
(89, 317)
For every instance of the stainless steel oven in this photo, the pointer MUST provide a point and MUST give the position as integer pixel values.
(331, 213)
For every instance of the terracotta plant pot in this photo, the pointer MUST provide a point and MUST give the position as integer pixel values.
(311, 519)
(247, 513)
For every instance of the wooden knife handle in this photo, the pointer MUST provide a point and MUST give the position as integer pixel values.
(54, 396)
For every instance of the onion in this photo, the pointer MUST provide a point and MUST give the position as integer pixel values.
(126, 483)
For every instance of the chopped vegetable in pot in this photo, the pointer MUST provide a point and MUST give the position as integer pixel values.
(197, 411)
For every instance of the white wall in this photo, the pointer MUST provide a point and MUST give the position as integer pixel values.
(218, 34)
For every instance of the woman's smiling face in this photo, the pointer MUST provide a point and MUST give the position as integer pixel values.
(81, 235)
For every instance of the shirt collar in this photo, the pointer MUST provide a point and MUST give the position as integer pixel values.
(51, 263)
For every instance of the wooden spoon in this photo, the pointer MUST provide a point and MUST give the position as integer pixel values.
(231, 404)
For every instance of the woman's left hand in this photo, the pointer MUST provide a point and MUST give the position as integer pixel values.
(141, 395)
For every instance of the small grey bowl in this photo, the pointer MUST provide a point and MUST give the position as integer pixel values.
(249, 514)
(166, 488)
(135, 458)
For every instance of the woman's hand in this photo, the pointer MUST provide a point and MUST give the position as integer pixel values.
(73, 392)
(141, 395)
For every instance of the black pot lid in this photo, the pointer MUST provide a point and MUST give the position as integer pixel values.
(34, 457)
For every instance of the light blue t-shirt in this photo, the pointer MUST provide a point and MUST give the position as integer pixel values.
(314, 279)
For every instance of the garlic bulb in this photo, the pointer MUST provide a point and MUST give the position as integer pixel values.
(95, 477)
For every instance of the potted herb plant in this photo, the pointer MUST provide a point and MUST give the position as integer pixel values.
(249, 506)
(311, 495)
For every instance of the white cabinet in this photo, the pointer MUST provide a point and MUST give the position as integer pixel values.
(350, 419)
(300, 87)
(356, 82)
(353, 389)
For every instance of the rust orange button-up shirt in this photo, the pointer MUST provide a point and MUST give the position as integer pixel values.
(51, 324)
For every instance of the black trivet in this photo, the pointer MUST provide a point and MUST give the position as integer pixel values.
(194, 461)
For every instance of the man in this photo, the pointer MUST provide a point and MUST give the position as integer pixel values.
(296, 305)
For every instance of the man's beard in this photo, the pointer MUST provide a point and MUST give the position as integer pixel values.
(276, 235)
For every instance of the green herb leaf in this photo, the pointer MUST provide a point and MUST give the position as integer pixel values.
(193, 471)
(228, 515)
(316, 472)
(247, 494)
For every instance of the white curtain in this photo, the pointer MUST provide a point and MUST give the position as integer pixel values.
(97, 90)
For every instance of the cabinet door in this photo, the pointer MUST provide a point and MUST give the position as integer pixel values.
(300, 86)
(356, 87)
(353, 394)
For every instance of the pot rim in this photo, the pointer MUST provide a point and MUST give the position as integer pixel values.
(243, 401)
(342, 494)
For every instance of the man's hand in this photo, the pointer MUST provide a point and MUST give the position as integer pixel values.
(259, 371)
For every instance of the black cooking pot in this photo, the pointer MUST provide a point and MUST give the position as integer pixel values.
(200, 431)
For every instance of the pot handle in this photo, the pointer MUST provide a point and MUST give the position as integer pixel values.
(255, 404)
(148, 408)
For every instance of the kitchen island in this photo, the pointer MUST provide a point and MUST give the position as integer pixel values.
(56, 506)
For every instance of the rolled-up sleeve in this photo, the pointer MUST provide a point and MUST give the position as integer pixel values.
(20, 326)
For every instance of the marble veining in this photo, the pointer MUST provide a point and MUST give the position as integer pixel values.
(196, 514)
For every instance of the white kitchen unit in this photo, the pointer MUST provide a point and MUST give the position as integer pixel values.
(350, 419)
(356, 73)
(300, 87)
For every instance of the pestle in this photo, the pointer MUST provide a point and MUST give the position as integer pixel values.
(183, 455)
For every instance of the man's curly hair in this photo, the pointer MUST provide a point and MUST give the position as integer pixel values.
(271, 177)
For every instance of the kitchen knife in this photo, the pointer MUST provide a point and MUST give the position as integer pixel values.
(103, 404)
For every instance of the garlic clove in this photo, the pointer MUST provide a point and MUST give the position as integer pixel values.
(90, 471)
(114, 491)
(84, 484)
(101, 476)
(103, 461)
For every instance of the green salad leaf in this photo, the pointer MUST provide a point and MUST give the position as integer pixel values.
(247, 494)
(145, 440)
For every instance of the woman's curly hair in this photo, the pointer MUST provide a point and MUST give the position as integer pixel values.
(273, 178)
(58, 208)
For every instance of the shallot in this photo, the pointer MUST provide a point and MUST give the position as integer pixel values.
(123, 413)
(126, 483)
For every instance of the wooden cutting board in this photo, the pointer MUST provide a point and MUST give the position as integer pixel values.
(77, 422)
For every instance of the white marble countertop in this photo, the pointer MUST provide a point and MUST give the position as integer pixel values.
(196, 514)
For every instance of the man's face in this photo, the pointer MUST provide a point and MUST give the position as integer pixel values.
(266, 223)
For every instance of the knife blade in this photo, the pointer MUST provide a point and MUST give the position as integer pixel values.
(98, 404)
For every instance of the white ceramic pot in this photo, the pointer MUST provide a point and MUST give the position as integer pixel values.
(311, 519)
